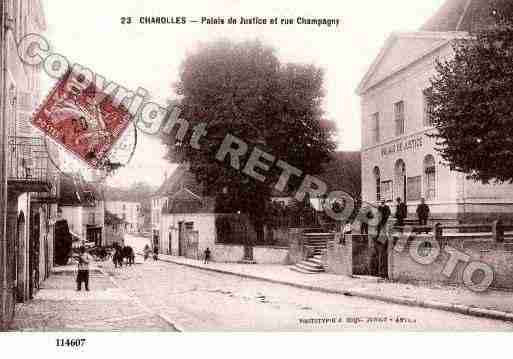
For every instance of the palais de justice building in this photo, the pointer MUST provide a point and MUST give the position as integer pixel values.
(398, 158)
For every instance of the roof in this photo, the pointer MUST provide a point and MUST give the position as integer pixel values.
(186, 201)
(411, 46)
(75, 191)
(465, 15)
(184, 193)
(181, 177)
(454, 19)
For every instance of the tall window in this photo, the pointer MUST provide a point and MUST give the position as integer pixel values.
(429, 177)
(377, 179)
(375, 127)
(428, 107)
(399, 117)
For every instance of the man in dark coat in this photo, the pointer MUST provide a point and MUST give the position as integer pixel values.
(423, 212)
(384, 215)
(63, 240)
(401, 212)
(380, 244)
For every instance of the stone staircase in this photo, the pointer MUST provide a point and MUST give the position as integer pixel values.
(316, 243)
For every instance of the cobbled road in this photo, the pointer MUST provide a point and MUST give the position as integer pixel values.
(198, 300)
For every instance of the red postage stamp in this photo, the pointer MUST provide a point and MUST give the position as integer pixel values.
(82, 119)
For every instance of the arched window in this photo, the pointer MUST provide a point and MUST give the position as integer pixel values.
(377, 179)
(429, 177)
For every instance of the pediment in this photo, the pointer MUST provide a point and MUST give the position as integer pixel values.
(399, 52)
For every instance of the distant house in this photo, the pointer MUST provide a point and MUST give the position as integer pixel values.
(179, 209)
(186, 222)
(82, 204)
(170, 186)
(127, 207)
(114, 229)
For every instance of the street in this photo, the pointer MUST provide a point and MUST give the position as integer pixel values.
(200, 300)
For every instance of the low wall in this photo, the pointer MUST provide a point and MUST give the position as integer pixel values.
(499, 256)
(227, 253)
(271, 255)
(362, 251)
(261, 254)
(296, 249)
(339, 256)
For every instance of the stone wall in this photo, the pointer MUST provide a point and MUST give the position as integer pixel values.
(227, 253)
(339, 256)
(271, 255)
(499, 256)
(296, 249)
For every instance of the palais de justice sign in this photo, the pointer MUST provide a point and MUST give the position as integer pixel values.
(410, 144)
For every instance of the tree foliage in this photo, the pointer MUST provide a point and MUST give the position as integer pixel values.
(472, 102)
(242, 89)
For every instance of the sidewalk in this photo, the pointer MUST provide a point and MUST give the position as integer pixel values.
(57, 306)
(490, 304)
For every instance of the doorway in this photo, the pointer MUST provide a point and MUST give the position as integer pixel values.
(34, 250)
(181, 239)
(170, 246)
(20, 258)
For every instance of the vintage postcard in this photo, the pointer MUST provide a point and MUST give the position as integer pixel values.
(232, 166)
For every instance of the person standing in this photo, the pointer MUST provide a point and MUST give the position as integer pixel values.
(83, 269)
(380, 244)
(207, 255)
(423, 212)
(155, 253)
(384, 215)
(147, 251)
(401, 212)
(364, 225)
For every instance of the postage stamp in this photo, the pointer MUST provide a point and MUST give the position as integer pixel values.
(74, 117)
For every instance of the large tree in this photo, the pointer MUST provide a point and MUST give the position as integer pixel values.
(472, 100)
(243, 90)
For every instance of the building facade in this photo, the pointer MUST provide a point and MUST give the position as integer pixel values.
(129, 211)
(28, 176)
(83, 207)
(398, 155)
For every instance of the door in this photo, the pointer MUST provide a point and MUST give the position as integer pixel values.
(34, 253)
(169, 243)
(181, 238)
(20, 258)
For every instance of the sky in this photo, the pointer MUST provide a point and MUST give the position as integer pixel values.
(138, 55)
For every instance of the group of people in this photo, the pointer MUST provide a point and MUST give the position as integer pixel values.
(401, 213)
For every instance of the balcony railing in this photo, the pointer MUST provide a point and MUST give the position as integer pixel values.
(29, 166)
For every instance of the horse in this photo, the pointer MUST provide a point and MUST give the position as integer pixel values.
(128, 253)
(117, 258)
